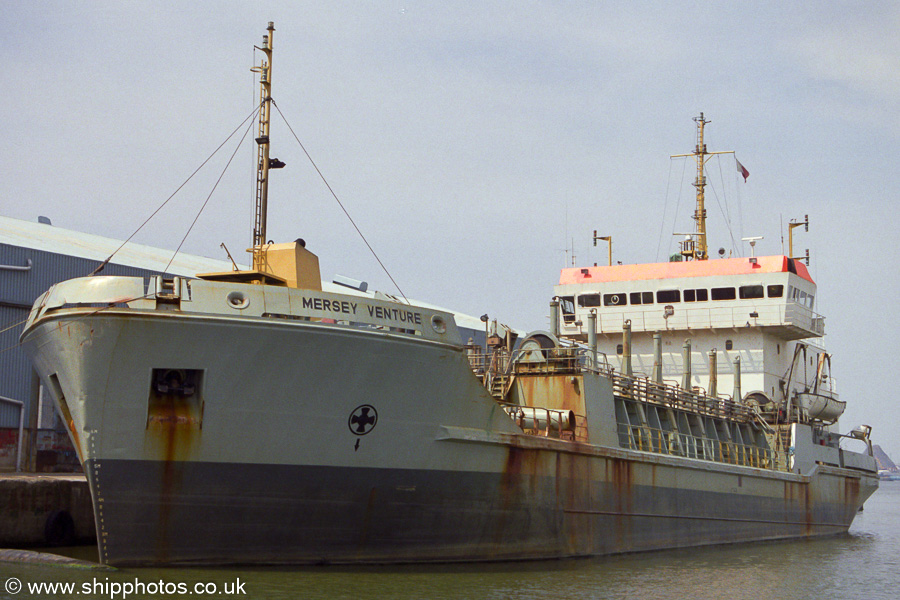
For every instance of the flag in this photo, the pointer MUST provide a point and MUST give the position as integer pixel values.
(742, 170)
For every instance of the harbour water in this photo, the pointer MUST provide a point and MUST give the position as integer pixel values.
(862, 564)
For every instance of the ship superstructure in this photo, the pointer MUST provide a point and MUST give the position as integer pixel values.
(743, 331)
(251, 417)
(757, 311)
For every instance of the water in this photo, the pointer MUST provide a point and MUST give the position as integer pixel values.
(865, 563)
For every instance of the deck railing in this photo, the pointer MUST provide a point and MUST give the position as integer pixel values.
(674, 443)
(643, 389)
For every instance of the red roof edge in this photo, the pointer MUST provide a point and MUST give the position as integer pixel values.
(675, 270)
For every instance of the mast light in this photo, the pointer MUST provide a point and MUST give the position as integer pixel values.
(608, 240)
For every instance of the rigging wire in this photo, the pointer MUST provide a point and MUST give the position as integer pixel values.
(5, 329)
(722, 179)
(721, 210)
(194, 222)
(161, 206)
(352, 222)
(662, 222)
(678, 201)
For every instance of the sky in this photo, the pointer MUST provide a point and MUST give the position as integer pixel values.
(478, 145)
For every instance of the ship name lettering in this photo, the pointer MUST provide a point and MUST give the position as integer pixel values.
(330, 305)
(395, 314)
(375, 312)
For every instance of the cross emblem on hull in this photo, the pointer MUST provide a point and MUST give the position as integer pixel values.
(363, 419)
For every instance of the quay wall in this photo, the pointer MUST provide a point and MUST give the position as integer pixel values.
(45, 510)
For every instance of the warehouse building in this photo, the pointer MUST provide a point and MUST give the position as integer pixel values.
(34, 256)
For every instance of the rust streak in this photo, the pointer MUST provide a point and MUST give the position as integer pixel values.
(511, 472)
(623, 483)
(807, 505)
(851, 496)
(367, 519)
(173, 429)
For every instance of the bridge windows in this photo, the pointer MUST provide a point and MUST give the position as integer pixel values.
(801, 297)
(641, 297)
(750, 292)
(698, 295)
(667, 296)
(723, 293)
(589, 300)
(627, 299)
(567, 305)
(615, 299)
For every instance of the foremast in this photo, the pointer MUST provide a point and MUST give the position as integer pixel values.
(262, 141)
(287, 264)
(695, 247)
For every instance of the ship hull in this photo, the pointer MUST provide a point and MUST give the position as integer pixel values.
(276, 471)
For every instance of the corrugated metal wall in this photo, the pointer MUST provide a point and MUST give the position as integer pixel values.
(15, 368)
(18, 291)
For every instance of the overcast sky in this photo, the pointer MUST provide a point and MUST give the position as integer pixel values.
(474, 143)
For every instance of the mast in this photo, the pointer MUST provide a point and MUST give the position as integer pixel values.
(700, 183)
(262, 141)
(696, 247)
(287, 264)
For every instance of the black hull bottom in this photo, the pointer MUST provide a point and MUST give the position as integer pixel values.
(213, 513)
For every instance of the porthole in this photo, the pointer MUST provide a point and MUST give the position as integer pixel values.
(238, 300)
(438, 324)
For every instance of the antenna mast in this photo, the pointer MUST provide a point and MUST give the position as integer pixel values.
(262, 141)
(696, 247)
(700, 183)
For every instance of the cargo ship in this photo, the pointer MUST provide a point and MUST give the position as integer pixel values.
(253, 417)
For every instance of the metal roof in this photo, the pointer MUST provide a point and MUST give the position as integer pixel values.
(49, 238)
